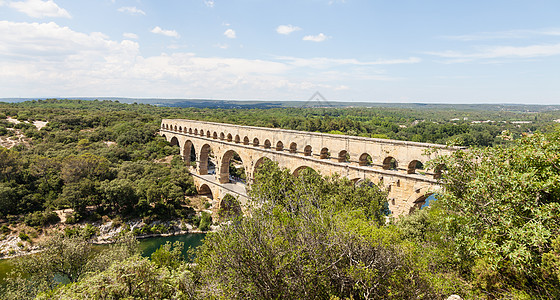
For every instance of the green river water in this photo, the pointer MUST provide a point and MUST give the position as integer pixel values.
(147, 247)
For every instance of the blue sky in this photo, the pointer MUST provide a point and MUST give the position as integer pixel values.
(443, 51)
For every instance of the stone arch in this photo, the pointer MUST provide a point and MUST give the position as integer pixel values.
(208, 134)
(180, 128)
(175, 128)
(255, 142)
(365, 160)
(229, 207)
(205, 190)
(205, 164)
(226, 167)
(293, 147)
(195, 131)
(245, 140)
(390, 163)
(215, 135)
(279, 146)
(414, 165)
(189, 152)
(201, 132)
(185, 130)
(174, 141)
(267, 144)
(237, 139)
(363, 181)
(343, 156)
(421, 202)
(307, 150)
(163, 135)
(222, 136)
(190, 130)
(300, 169)
(167, 126)
(325, 154)
(229, 137)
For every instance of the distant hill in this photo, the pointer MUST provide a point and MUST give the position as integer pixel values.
(249, 104)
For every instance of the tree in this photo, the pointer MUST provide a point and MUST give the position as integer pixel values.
(502, 212)
(304, 240)
(64, 259)
(169, 255)
(87, 165)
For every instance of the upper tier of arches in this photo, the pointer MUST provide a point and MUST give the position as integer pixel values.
(388, 155)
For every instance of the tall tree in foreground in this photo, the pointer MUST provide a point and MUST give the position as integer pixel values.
(502, 212)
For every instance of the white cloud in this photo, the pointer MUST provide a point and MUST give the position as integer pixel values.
(230, 33)
(209, 3)
(39, 8)
(131, 10)
(498, 52)
(130, 35)
(510, 34)
(324, 62)
(316, 38)
(170, 33)
(287, 29)
(46, 59)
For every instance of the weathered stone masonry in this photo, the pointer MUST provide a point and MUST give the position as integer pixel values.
(394, 163)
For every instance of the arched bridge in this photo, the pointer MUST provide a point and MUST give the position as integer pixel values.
(210, 148)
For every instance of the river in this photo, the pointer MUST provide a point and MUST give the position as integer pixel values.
(147, 247)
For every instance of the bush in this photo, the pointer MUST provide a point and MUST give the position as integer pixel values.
(89, 231)
(5, 229)
(24, 237)
(41, 218)
(310, 243)
(205, 221)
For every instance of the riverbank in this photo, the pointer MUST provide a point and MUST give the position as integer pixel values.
(25, 240)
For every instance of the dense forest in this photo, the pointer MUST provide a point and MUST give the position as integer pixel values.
(492, 233)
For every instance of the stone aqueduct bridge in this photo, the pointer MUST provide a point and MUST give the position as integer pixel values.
(397, 164)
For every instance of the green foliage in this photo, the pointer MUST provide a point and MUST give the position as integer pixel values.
(305, 239)
(74, 162)
(169, 255)
(5, 229)
(41, 218)
(502, 212)
(68, 259)
(280, 188)
(205, 221)
(230, 208)
(132, 278)
(24, 237)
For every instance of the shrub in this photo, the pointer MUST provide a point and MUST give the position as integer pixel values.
(205, 221)
(89, 231)
(5, 229)
(73, 218)
(24, 237)
(41, 218)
